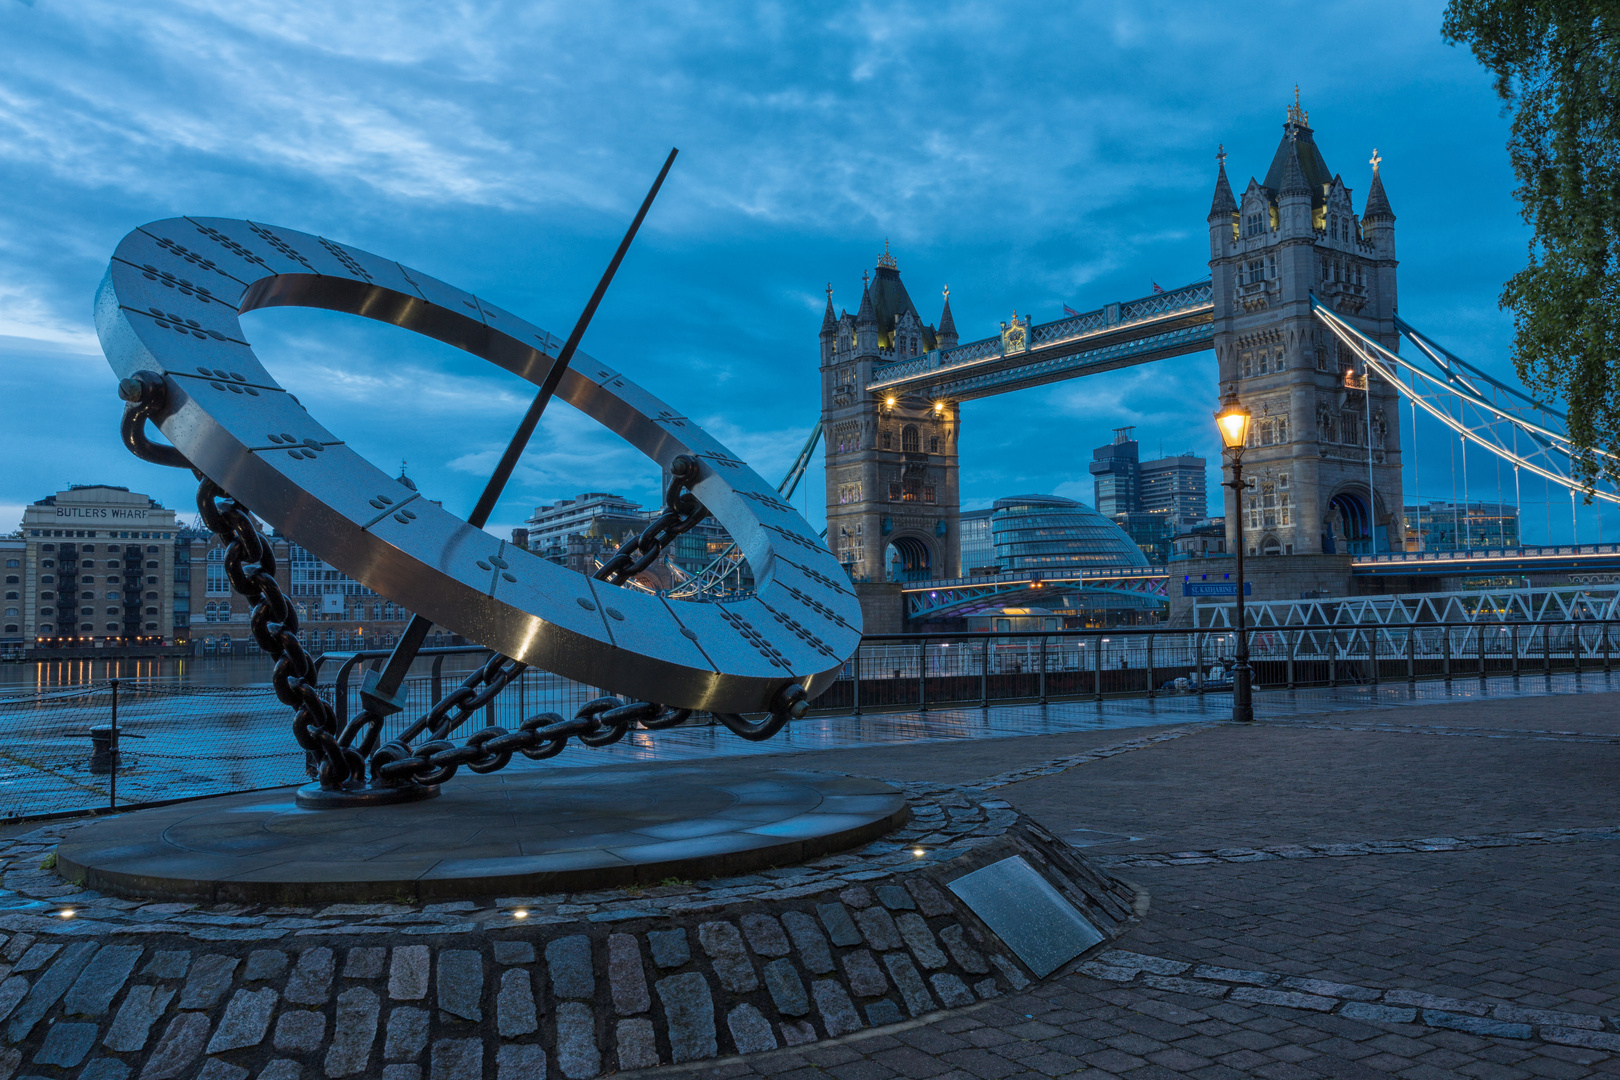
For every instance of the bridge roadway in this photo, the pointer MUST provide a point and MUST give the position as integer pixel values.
(965, 596)
(1113, 336)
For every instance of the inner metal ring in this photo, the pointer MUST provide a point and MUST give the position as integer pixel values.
(170, 303)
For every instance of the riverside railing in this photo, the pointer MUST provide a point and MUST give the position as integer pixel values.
(923, 671)
(119, 743)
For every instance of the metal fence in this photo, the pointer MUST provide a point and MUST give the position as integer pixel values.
(922, 671)
(137, 741)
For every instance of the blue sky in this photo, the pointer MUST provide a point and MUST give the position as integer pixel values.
(1028, 155)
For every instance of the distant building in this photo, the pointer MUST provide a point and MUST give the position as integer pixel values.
(1116, 472)
(1174, 487)
(582, 532)
(978, 546)
(1047, 532)
(96, 568)
(1154, 533)
(1148, 499)
(592, 513)
(1200, 540)
(1459, 526)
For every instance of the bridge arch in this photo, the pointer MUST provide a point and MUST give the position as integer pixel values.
(1351, 525)
(910, 557)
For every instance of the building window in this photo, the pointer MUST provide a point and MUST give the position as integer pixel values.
(908, 439)
(894, 491)
(928, 493)
(12, 563)
(933, 444)
(12, 613)
(912, 491)
(217, 584)
(1252, 225)
(888, 441)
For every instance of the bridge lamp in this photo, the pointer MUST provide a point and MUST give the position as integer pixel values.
(888, 403)
(1233, 421)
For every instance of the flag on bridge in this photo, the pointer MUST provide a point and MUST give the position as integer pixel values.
(1067, 310)
(1156, 286)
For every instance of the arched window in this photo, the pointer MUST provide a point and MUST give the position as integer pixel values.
(908, 439)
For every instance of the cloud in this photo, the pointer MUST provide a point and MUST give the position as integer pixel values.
(1029, 156)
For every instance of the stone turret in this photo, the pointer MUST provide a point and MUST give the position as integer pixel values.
(829, 329)
(1324, 455)
(947, 325)
(893, 505)
(1294, 199)
(1378, 220)
(866, 324)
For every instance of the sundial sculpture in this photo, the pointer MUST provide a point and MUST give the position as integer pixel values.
(167, 316)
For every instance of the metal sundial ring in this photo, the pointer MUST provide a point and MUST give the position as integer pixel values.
(169, 305)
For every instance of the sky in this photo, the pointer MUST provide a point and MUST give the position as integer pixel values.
(1030, 156)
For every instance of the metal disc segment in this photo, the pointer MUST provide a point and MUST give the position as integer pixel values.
(170, 303)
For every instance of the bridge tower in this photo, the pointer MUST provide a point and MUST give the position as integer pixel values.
(1324, 456)
(893, 507)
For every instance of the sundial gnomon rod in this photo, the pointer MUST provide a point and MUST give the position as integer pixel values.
(380, 692)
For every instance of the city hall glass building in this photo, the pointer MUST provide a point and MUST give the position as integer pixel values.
(1046, 532)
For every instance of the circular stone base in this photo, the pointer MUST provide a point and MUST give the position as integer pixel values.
(315, 797)
(512, 833)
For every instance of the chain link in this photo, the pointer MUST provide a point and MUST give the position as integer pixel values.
(339, 760)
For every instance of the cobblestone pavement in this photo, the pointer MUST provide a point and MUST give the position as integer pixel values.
(1425, 892)
(1419, 889)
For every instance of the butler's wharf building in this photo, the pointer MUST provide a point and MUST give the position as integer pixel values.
(96, 568)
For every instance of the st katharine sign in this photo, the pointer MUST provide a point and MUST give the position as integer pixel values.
(1215, 588)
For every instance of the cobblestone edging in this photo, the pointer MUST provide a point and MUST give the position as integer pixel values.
(516, 988)
(1054, 766)
(1353, 850)
(1356, 1002)
(1532, 734)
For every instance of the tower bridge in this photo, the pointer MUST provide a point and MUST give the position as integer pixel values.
(1300, 310)
(1326, 457)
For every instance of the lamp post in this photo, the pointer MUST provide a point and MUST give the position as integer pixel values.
(1233, 421)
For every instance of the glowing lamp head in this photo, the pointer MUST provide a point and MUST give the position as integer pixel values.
(1233, 420)
(888, 403)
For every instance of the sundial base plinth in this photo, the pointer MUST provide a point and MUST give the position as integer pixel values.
(519, 832)
(315, 797)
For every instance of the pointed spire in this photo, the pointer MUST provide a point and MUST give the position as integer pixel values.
(1293, 182)
(947, 325)
(1223, 204)
(1377, 202)
(867, 316)
(829, 321)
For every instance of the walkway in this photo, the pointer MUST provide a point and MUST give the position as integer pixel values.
(1424, 891)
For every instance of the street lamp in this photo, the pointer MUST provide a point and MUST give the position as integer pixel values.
(1233, 420)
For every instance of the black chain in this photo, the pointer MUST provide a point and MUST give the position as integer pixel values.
(682, 512)
(250, 564)
(339, 760)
